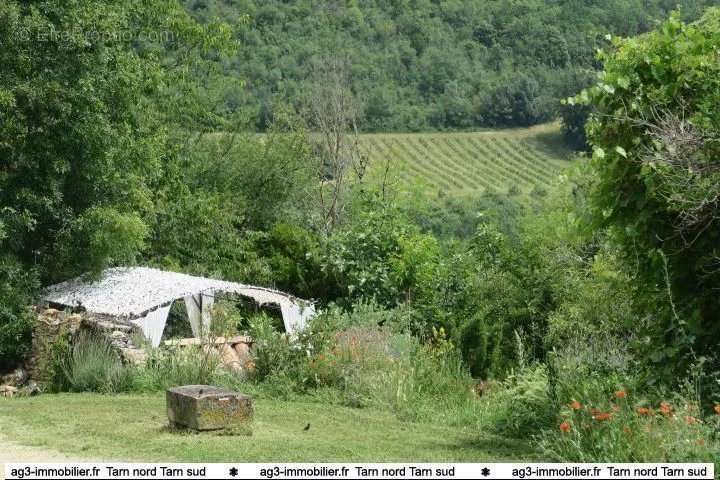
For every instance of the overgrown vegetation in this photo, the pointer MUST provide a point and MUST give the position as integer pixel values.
(539, 313)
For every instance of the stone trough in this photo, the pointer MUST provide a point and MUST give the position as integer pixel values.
(205, 407)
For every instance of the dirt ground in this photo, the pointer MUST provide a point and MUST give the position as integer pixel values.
(12, 452)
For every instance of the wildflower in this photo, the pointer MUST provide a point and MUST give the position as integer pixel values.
(575, 405)
(643, 411)
(665, 409)
(717, 409)
(565, 427)
(602, 416)
(691, 420)
(620, 394)
(250, 365)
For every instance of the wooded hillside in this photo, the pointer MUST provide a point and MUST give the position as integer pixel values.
(426, 64)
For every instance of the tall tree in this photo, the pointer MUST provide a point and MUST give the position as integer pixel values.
(80, 140)
(333, 112)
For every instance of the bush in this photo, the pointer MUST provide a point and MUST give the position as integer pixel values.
(17, 287)
(524, 405)
(15, 336)
(372, 366)
(656, 184)
(347, 358)
(93, 365)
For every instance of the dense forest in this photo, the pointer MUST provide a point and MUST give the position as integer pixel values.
(422, 64)
(570, 315)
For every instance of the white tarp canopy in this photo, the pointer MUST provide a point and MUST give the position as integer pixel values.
(144, 295)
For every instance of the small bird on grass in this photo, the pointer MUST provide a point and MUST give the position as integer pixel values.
(307, 427)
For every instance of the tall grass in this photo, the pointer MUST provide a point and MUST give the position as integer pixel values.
(370, 366)
(167, 368)
(93, 365)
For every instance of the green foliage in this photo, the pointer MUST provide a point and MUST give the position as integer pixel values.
(92, 365)
(622, 425)
(525, 406)
(369, 257)
(347, 358)
(630, 437)
(574, 117)
(72, 136)
(293, 255)
(421, 65)
(216, 204)
(99, 237)
(84, 126)
(278, 359)
(175, 366)
(657, 183)
(17, 287)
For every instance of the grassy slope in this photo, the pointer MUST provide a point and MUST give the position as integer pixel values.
(133, 427)
(465, 162)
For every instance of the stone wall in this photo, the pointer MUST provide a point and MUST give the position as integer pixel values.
(55, 326)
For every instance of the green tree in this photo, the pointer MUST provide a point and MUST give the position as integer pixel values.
(82, 142)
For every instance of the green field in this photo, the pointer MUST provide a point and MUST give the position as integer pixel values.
(134, 427)
(463, 162)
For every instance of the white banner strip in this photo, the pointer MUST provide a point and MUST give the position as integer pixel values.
(358, 470)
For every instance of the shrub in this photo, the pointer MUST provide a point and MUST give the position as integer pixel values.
(17, 287)
(277, 355)
(15, 335)
(346, 357)
(523, 405)
(656, 183)
(93, 365)
(372, 366)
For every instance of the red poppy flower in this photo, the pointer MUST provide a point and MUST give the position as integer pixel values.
(565, 427)
(602, 416)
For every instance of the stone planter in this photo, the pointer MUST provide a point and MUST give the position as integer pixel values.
(204, 407)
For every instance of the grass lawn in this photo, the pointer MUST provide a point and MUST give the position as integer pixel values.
(133, 428)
